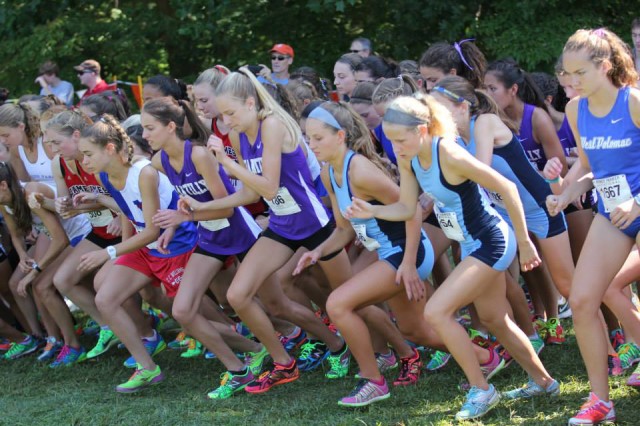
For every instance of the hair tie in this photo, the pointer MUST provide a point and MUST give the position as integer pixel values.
(221, 69)
(457, 45)
(599, 32)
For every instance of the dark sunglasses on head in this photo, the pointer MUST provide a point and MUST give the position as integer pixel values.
(278, 58)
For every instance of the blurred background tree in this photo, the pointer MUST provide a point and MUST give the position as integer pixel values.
(183, 37)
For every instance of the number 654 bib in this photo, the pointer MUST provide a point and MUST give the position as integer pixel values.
(449, 224)
(283, 203)
(614, 191)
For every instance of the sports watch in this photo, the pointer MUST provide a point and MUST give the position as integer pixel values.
(112, 252)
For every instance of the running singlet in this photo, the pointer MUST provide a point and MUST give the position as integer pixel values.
(567, 140)
(612, 145)
(386, 143)
(130, 202)
(511, 162)
(232, 235)
(40, 171)
(296, 211)
(532, 148)
(87, 182)
(256, 208)
(386, 237)
(464, 214)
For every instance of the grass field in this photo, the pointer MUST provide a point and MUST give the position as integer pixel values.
(33, 394)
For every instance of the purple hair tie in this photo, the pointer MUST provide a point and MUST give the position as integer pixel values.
(600, 32)
(456, 46)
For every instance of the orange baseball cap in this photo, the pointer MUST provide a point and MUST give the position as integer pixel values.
(284, 49)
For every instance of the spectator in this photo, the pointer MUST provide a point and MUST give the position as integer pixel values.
(89, 75)
(281, 60)
(362, 46)
(4, 95)
(635, 37)
(51, 84)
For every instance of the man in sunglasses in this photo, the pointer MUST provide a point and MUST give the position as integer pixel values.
(281, 60)
(89, 75)
(361, 46)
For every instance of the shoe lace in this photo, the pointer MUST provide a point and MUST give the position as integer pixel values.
(105, 336)
(136, 373)
(49, 345)
(225, 377)
(15, 348)
(63, 353)
(193, 343)
(335, 362)
(307, 350)
(181, 336)
(362, 383)
(438, 357)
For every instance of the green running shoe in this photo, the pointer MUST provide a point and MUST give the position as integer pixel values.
(194, 350)
(141, 379)
(438, 360)
(255, 360)
(537, 343)
(230, 384)
(17, 350)
(629, 354)
(339, 364)
(106, 340)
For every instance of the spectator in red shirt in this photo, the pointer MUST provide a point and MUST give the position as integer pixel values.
(89, 75)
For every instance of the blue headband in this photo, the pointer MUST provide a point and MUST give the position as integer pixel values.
(449, 94)
(325, 116)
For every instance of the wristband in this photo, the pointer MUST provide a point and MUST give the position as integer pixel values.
(35, 266)
(111, 250)
(556, 180)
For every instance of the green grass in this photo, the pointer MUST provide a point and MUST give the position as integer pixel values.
(33, 394)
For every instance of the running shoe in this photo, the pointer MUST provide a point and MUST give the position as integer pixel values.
(91, 327)
(365, 393)
(629, 354)
(339, 364)
(555, 332)
(153, 345)
(326, 320)
(537, 343)
(5, 344)
(209, 355)
(532, 389)
(140, 379)
(255, 360)
(495, 364)
(438, 360)
(243, 330)
(17, 350)
(194, 351)
(230, 384)
(564, 310)
(68, 356)
(634, 379)
(386, 362)
(181, 341)
(279, 375)
(106, 340)
(409, 370)
(479, 338)
(293, 342)
(51, 349)
(540, 325)
(615, 365)
(594, 412)
(478, 403)
(617, 338)
(312, 354)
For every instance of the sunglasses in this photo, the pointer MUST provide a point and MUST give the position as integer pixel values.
(356, 51)
(84, 72)
(278, 58)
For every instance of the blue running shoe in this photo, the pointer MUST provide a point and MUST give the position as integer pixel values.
(479, 402)
(51, 349)
(312, 354)
(154, 346)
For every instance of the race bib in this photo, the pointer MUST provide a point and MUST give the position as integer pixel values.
(150, 246)
(361, 234)
(450, 226)
(100, 218)
(214, 225)
(283, 203)
(614, 191)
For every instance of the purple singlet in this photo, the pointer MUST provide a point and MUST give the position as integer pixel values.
(296, 212)
(232, 235)
(532, 148)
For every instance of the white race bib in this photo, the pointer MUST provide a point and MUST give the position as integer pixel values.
(150, 246)
(614, 191)
(450, 226)
(361, 234)
(214, 225)
(283, 203)
(100, 218)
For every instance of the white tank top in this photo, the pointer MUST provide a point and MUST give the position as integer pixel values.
(40, 171)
